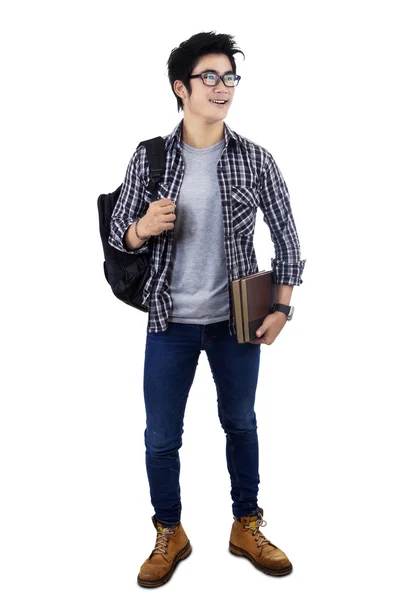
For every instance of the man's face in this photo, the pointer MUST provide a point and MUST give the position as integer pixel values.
(200, 103)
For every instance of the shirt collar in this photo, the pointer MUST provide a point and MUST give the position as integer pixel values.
(229, 134)
(176, 135)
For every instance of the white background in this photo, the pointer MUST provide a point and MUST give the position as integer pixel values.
(83, 84)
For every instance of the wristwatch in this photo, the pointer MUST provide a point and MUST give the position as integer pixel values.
(288, 310)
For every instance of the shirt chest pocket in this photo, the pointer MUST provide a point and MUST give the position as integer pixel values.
(162, 192)
(244, 209)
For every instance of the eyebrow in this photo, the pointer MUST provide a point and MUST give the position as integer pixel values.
(214, 71)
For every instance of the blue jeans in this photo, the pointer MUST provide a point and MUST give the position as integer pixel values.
(170, 363)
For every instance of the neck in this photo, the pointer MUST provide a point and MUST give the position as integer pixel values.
(199, 134)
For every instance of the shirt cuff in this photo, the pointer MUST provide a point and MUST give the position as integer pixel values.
(287, 273)
(117, 241)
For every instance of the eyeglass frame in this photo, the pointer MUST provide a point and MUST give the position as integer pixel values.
(220, 78)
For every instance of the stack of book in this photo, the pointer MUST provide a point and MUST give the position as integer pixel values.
(253, 299)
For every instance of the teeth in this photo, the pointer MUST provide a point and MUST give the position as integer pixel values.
(218, 101)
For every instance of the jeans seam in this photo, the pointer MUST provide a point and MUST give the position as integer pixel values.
(235, 472)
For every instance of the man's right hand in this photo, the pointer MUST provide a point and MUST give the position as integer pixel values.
(160, 216)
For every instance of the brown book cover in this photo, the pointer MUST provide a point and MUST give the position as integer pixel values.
(237, 309)
(252, 303)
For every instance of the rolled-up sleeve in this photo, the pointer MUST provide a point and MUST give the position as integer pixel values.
(131, 204)
(287, 265)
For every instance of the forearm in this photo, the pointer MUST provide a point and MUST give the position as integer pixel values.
(131, 240)
(284, 294)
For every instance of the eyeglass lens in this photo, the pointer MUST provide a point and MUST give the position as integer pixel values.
(212, 78)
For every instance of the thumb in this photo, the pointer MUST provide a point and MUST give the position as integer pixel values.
(263, 328)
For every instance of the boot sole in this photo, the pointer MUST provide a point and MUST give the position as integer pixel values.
(182, 554)
(275, 572)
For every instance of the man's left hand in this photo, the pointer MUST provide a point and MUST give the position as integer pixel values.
(270, 328)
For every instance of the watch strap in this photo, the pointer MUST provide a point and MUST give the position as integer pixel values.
(281, 308)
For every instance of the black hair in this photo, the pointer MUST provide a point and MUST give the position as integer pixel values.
(183, 59)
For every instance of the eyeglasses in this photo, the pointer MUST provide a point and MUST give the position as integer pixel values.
(211, 78)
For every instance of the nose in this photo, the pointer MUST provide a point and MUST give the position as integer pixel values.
(220, 85)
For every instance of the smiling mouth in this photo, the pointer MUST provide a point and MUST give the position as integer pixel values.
(220, 102)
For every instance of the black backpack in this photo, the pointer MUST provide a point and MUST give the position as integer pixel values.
(127, 273)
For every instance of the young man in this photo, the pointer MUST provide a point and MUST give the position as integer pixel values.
(200, 236)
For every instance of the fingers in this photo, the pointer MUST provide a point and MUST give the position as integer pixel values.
(166, 215)
(162, 207)
(164, 203)
(161, 215)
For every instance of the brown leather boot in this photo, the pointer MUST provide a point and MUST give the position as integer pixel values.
(172, 545)
(246, 540)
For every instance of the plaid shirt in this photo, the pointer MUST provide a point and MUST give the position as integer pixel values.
(248, 179)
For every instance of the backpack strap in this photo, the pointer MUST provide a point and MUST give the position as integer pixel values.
(156, 156)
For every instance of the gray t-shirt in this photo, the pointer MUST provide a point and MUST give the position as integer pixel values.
(198, 274)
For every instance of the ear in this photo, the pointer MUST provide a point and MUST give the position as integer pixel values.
(180, 89)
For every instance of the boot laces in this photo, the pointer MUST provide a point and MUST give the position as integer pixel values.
(259, 537)
(162, 540)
